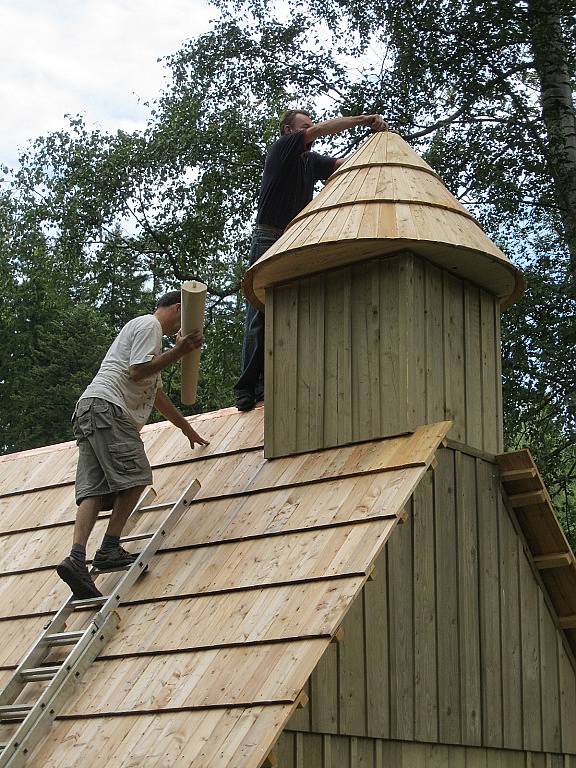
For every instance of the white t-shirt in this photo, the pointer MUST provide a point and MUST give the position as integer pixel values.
(138, 342)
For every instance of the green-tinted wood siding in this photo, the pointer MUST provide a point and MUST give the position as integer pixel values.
(305, 750)
(453, 641)
(379, 348)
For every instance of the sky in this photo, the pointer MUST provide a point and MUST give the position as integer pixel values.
(94, 57)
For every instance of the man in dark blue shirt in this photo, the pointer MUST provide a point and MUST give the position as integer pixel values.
(290, 173)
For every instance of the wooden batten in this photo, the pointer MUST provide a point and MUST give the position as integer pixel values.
(383, 199)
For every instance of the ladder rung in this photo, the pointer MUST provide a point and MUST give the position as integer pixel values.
(14, 711)
(91, 602)
(96, 572)
(39, 673)
(63, 638)
(155, 507)
(137, 537)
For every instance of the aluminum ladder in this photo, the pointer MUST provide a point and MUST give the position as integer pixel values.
(35, 719)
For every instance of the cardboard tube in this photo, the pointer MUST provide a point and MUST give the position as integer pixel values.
(193, 303)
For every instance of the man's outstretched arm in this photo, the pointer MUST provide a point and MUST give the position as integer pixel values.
(163, 404)
(340, 124)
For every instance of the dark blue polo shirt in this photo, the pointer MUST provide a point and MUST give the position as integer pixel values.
(290, 173)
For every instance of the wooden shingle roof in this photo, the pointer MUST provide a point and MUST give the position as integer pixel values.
(550, 550)
(217, 641)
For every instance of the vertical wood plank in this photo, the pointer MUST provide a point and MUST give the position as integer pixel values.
(337, 360)
(472, 366)
(299, 750)
(324, 692)
(378, 754)
(392, 349)
(306, 352)
(285, 750)
(364, 753)
(362, 350)
(447, 599)
(269, 372)
(300, 719)
(475, 758)
(376, 639)
(530, 649)
(352, 682)
(373, 332)
(551, 736)
(285, 378)
(567, 699)
(317, 326)
(416, 345)
(434, 342)
(490, 426)
(489, 593)
(454, 380)
(437, 755)
(312, 750)
(456, 757)
(326, 751)
(401, 632)
(425, 671)
(344, 358)
(468, 610)
(498, 352)
(511, 657)
(340, 752)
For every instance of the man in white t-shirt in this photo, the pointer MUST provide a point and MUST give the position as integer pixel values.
(113, 469)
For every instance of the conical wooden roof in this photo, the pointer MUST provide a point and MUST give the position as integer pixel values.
(383, 199)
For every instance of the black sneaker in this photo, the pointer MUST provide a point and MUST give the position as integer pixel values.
(78, 579)
(113, 559)
(245, 401)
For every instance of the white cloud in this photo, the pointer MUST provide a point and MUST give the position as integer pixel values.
(96, 57)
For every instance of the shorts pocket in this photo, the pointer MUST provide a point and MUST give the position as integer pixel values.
(128, 458)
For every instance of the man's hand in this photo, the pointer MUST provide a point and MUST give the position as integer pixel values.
(193, 436)
(185, 344)
(375, 122)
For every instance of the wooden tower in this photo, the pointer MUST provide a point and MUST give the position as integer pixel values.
(382, 310)
(383, 301)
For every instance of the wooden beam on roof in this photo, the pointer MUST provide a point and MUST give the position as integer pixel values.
(567, 622)
(338, 635)
(518, 474)
(271, 760)
(302, 700)
(527, 499)
(554, 560)
(402, 515)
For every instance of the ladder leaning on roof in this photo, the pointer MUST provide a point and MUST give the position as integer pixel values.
(35, 719)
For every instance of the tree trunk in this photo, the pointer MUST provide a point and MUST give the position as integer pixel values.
(559, 116)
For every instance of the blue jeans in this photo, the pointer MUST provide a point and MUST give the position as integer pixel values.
(251, 379)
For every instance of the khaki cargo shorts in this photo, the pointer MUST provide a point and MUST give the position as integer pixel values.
(111, 454)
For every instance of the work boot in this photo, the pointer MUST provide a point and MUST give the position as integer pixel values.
(113, 559)
(245, 401)
(78, 579)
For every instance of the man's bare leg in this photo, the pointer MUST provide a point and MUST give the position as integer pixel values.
(123, 505)
(86, 517)
(73, 568)
(111, 556)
